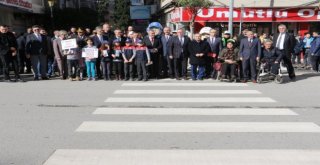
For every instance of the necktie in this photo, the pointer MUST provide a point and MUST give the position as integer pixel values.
(181, 40)
(250, 42)
(152, 41)
(279, 41)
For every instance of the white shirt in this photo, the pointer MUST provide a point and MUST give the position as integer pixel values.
(212, 40)
(281, 46)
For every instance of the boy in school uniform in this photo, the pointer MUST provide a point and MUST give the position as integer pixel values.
(142, 58)
(129, 53)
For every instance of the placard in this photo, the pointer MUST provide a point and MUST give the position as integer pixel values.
(90, 52)
(69, 44)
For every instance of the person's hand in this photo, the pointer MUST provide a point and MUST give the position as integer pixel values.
(155, 50)
(114, 56)
(171, 57)
(14, 53)
(258, 59)
(130, 60)
(28, 56)
(241, 58)
(126, 61)
(149, 61)
(276, 62)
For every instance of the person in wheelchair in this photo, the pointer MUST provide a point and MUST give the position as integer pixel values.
(271, 58)
(229, 58)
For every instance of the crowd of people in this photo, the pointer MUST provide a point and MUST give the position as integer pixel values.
(131, 56)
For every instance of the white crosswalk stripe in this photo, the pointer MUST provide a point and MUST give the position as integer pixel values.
(185, 157)
(101, 126)
(184, 85)
(169, 92)
(195, 111)
(190, 100)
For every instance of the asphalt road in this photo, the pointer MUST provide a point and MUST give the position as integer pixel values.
(73, 123)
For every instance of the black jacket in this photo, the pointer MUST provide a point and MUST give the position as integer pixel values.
(36, 47)
(289, 44)
(198, 47)
(7, 40)
(156, 44)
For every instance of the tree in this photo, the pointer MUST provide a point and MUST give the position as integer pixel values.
(193, 7)
(102, 8)
(121, 15)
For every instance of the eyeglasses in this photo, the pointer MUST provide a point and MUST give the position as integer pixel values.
(36, 29)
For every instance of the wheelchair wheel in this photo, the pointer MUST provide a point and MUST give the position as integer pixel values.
(259, 80)
(278, 79)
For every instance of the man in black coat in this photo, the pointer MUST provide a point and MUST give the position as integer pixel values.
(154, 45)
(178, 51)
(37, 49)
(198, 50)
(285, 42)
(8, 53)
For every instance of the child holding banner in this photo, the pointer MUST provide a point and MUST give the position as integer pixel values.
(106, 60)
(90, 53)
(117, 59)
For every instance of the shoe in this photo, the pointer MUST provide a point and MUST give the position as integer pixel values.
(9, 81)
(77, 78)
(20, 80)
(36, 79)
(254, 81)
(140, 79)
(94, 79)
(178, 78)
(145, 79)
(70, 79)
(44, 78)
(89, 79)
(185, 78)
(244, 81)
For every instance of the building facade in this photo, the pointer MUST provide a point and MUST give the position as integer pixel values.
(260, 16)
(20, 14)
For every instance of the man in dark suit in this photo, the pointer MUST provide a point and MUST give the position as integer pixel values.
(215, 48)
(97, 41)
(178, 51)
(107, 32)
(154, 45)
(37, 48)
(119, 36)
(8, 53)
(285, 42)
(250, 52)
(167, 63)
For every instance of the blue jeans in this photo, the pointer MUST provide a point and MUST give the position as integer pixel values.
(197, 71)
(50, 66)
(91, 69)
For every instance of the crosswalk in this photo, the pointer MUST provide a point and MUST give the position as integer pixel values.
(165, 99)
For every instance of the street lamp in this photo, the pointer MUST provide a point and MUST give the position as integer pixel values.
(51, 4)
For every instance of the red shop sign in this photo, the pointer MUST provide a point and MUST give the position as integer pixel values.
(249, 15)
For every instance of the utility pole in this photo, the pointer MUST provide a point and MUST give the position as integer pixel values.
(230, 26)
(241, 19)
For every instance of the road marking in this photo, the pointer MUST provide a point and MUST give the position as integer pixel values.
(185, 84)
(194, 111)
(184, 157)
(173, 127)
(190, 100)
(187, 92)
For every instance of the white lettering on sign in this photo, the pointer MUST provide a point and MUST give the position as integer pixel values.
(226, 14)
(306, 13)
(281, 14)
(208, 15)
(250, 15)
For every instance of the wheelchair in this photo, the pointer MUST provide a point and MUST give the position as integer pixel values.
(265, 75)
(228, 78)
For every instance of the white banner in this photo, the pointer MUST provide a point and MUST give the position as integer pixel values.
(69, 44)
(90, 52)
